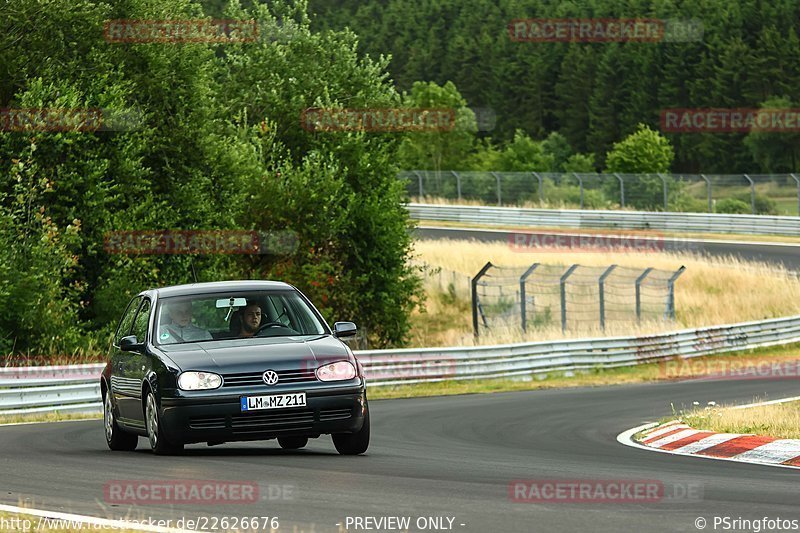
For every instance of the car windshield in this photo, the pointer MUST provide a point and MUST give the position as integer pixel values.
(235, 315)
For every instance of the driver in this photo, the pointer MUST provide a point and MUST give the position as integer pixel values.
(251, 319)
(180, 327)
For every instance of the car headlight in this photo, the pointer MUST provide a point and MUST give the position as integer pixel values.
(199, 381)
(338, 371)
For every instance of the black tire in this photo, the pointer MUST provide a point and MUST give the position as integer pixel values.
(116, 438)
(158, 443)
(353, 443)
(292, 443)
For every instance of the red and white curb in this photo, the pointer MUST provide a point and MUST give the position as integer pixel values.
(679, 439)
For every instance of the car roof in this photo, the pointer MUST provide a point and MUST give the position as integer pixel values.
(219, 286)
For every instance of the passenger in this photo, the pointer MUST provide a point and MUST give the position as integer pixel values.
(180, 327)
(251, 319)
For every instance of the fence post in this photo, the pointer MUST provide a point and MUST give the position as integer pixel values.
(639, 281)
(752, 193)
(419, 178)
(670, 311)
(603, 296)
(621, 190)
(797, 180)
(567, 274)
(475, 302)
(522, 310)
(541, 196)
(499, 193)
(580, 180)
(666, 191)
(708, 187)
(458, 183)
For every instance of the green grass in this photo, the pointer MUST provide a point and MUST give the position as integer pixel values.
(645, 373)
(778, 420)
(47, 417)
(651, 372)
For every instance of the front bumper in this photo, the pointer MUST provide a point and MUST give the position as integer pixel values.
(218, 417)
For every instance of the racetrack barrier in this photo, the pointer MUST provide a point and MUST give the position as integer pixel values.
(77, 388)
(618, 220)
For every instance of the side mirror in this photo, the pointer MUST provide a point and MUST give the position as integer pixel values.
(344, 329)
(129, 344)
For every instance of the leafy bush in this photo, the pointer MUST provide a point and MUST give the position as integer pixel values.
(732, 206)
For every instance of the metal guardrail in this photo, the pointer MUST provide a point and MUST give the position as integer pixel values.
(77, 388)
(617, 220)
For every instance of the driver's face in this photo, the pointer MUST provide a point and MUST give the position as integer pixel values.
(181, 314)
(252, 318)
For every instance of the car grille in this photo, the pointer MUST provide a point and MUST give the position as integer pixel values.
(249, 379)
(289, 419)
(272, 421)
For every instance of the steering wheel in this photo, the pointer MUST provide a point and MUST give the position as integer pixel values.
(270, 325)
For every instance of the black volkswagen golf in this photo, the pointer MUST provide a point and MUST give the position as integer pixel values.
(232, 361)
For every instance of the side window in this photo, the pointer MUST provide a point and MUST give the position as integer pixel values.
(142, 319)
(125, 323)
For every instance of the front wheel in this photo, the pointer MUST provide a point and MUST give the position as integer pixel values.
(158, 443)
(117, 439)
(353, 443)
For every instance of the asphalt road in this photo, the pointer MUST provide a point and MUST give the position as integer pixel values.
(777, 253)
(452, 457)
(430, 457)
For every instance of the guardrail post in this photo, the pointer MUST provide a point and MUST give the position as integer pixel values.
(458, 183)
(419, 178)
(522, 310)
(541, 187)
(621, 190)
(566, 275)
(670, 311)
(580, 181)
(752, 193)
(666, 191)
(797, 180)
(603, 296)
(499, 192)
(639, 281)
(708, 188)
(475, 302)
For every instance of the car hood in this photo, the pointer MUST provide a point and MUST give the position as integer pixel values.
(234, 356)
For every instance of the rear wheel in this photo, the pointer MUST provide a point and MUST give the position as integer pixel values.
(353, 443)
(292, 443)
(158, 443)
(116, 438)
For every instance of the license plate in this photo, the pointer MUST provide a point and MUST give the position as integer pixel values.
(273, 401)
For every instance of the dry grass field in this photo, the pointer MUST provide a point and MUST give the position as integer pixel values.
(712, 291)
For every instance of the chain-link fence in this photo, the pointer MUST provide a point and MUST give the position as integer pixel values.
(542, 296)
(775, 194)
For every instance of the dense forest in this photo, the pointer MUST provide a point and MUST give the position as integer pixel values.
(215, 144)
(595, 94)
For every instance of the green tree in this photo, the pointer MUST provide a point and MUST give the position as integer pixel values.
(775, 151)
(438, 150)
(643, 151)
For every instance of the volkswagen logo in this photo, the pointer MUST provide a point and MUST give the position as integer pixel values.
(270, 377)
